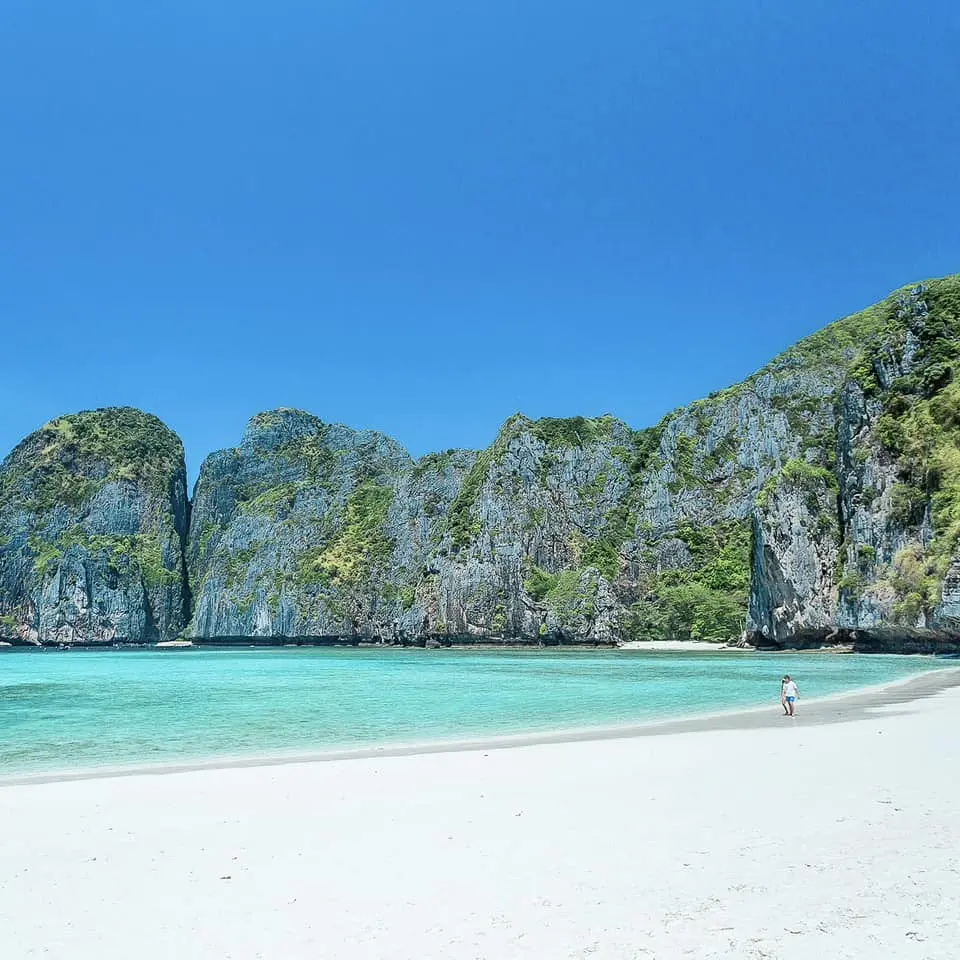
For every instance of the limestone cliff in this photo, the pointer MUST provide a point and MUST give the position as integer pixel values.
(897, 483)
(817, 500)
(886, 564)
(93, 520)
(563, 531)
(289, 532)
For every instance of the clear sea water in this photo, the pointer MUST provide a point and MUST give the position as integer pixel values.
(61, 710)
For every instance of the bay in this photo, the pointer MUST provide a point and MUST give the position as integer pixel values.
(67, 709)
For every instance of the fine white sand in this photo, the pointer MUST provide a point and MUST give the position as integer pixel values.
(693, 646)
(833, 836)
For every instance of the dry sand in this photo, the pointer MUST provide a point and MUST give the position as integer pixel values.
(834, 836)
(693, 646)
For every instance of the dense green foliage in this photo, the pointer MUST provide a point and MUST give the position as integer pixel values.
(646, 449)
(572, 431)
(67, 460)
(691, 611)
(920, 427)
(433, 461)
(684, 464)
(313, 450)
(274, 502)
(706, 600)
(808, 475)
(916, 578)
(802, 475)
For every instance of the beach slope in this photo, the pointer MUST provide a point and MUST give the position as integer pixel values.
(790, 839)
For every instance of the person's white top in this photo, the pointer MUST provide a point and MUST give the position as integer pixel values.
(790, 690)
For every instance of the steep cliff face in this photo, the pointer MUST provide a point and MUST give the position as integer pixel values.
(93, 518)
(886, 565)
(562, 531)
(584, 530)
(819, 499)
(529, 546)
(288, 533)
(796, 546)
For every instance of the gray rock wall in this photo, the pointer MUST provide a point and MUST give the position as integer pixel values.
(886, 571)
(817, 500)
(93, 521)
(287, 531)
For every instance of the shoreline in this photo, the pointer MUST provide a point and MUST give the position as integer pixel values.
(291, 643)
(843, 707)
(909, 647)
(624, 848)
(680, 646)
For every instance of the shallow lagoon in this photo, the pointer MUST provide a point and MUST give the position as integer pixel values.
(67, 709)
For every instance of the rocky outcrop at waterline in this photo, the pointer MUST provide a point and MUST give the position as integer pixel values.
(817, 501)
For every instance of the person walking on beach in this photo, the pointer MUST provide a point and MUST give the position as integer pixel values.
(790, 693)
(783, 697)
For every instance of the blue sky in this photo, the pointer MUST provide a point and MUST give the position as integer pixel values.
(422, 217)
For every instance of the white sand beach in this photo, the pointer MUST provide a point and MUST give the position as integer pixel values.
(676, 646)
(834, 836)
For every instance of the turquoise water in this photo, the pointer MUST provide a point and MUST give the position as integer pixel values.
(62, 710)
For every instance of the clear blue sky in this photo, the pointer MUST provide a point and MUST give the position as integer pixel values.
(422, 217)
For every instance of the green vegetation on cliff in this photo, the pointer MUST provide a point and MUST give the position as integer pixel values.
(578, 527)
(572, 431)
(804, 476)
(348, 558)
(139, 553)
(275, 501)
(68, 459)
(920, 427)
(462, 523)
(567, 595)
(93, 509)
(604, 550)
(706, 600)
(433, 461)
(646, 455)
